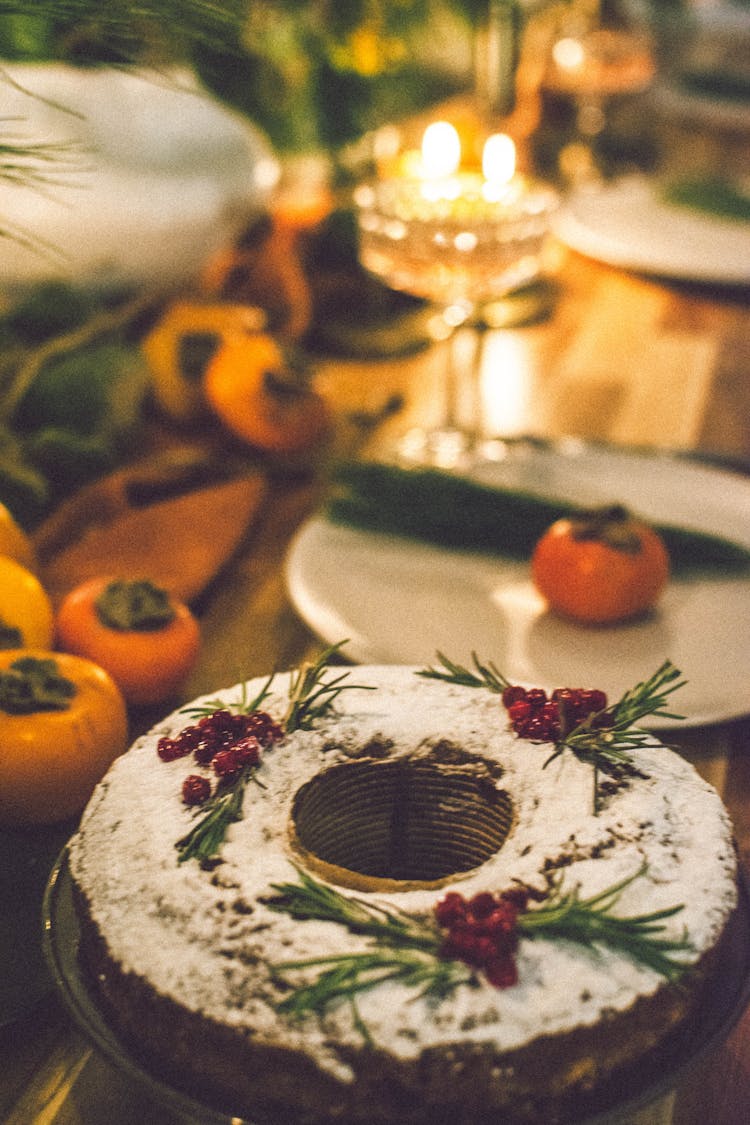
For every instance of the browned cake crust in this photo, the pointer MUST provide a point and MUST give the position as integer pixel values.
(555, 1081)
(160, 939)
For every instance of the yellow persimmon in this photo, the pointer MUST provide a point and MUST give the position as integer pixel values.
(26, 613)
(14, 542)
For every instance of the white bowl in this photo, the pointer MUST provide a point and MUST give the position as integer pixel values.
(151, 175)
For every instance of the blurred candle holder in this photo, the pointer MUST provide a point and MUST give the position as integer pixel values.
(458, 226)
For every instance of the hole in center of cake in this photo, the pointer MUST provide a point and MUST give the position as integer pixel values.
(406, 820)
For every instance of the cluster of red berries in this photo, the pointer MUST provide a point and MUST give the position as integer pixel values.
(226, 741)
(542, 718)
(482, 932)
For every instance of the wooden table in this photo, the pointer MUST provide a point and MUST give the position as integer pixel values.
(622, 358)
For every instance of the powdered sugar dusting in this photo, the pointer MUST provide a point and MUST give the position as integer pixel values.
(207, 939)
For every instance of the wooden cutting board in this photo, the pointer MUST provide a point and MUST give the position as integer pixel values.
(162, 519)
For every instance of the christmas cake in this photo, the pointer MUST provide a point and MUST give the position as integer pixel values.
(378, 895)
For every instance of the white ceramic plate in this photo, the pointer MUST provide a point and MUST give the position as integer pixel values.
(627, 224)
(399, 601)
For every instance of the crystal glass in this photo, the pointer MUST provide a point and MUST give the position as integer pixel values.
(460, 238)
(592, 63)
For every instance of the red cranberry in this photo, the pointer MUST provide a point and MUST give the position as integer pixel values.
(512, 694)
(226, 763)
(451, 909)
(481, 905)
(502, 921)
(462, 944)
(534, 729)
(246, 751)
(501, 971)
(204, 750)
(195, 790)
(593, 700)
(262, 726)
(170, 749)
(519, 711)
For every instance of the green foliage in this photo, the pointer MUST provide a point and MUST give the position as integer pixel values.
(453, 511)
(312, 73)
(96, 390)
(125, 31)
(408, 950)
(45, 311)
(76, 418)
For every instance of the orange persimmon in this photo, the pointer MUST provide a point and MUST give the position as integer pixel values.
(600, 567)
(179, 346)
(62, 724)
(147, 639)
(251, 388)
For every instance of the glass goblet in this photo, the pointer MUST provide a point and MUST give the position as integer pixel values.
(460, 243)
(593, 67)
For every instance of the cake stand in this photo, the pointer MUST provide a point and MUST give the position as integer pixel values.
(642, 1095)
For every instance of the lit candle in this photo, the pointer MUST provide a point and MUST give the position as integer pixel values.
(438, 186)
(498, 165)
(441, 150)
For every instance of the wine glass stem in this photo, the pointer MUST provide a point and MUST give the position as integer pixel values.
(451, 385)
(462, 362)
(480, 331)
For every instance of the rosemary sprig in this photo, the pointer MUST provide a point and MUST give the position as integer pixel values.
(310, 899)
(205, 838)
(310, 696)
(591, 922)
(350, 974)
(486, 675)
(408, 950)
(604, 738)
(245, 706)
(608, 746)
(611, 744)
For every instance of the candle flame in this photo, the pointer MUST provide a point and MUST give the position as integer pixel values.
(499, 159)
(441, 150)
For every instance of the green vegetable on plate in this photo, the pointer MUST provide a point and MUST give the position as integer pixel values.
(452, 511)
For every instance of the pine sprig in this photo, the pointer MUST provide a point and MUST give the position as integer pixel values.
(486, 675)
(408, 950)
